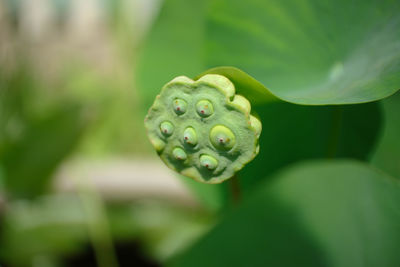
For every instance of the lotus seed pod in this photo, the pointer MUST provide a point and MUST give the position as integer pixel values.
(202, 129)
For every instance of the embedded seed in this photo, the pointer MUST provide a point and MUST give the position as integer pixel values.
(179, 153)
(222, 137)
(190, 136)
(208, 162)
(167, 128)
(180, 106)
(157, 143)
(204, 108)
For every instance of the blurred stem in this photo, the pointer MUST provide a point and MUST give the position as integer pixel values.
(235, 189)
(97, 222)
(332, 149)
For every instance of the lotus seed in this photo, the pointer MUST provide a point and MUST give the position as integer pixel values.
(179, 154)
(208, 162)
(180, 106)
(190, 136)
(167, 128)
(222, 137)
(204, 108)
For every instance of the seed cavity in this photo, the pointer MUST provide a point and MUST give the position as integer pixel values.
(222, 137)
(204, 108)
(179, 154)
(167, 128)
(190, 136)
(180, 106)
(208, 162)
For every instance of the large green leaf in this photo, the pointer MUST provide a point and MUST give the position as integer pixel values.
(346, 209)
(245, 85)
(387, 155)
(180, 44)
(310, 52)
(305, 52)
(173, 48)
(294, 132)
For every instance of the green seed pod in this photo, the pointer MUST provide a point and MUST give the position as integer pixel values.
(202, 129)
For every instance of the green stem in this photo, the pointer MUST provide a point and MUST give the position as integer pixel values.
(235, 189)
(337, 117)
(97, 223)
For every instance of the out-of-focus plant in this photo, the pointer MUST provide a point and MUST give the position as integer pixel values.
(35, 136)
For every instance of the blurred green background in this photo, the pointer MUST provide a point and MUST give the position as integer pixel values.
(80, 184)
